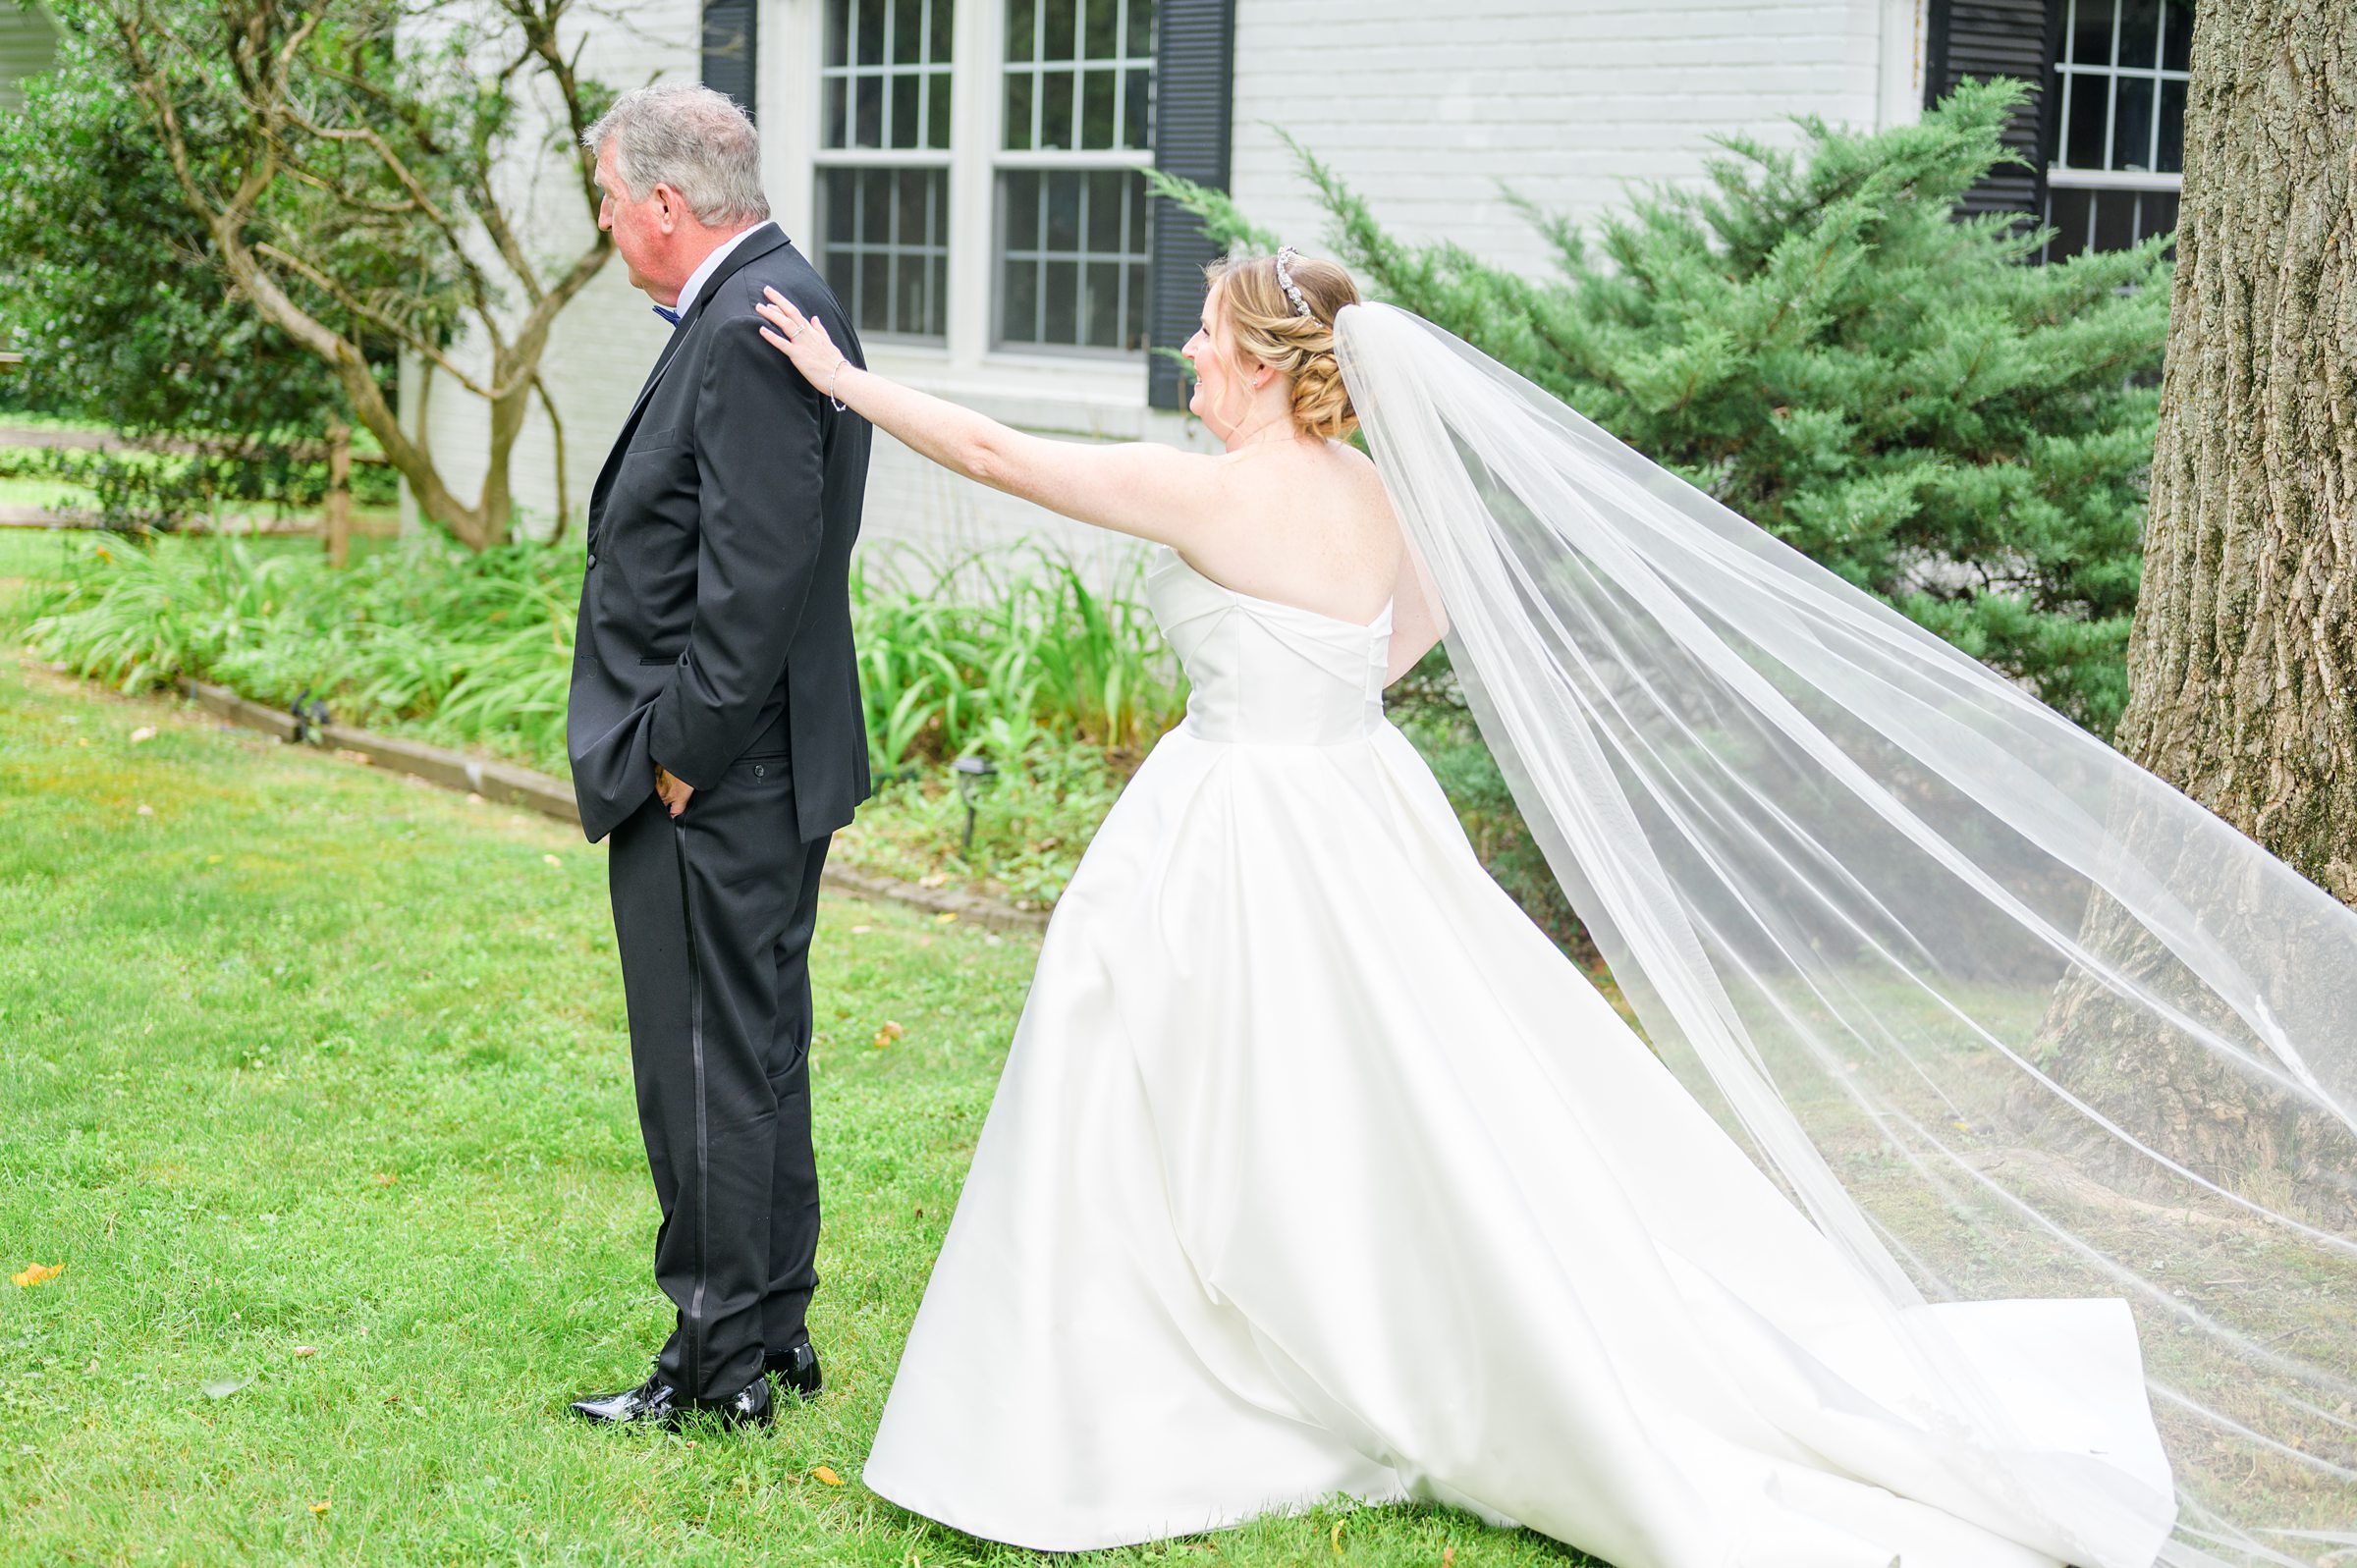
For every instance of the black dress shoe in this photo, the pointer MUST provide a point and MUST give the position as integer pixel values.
(656, 1402)
(797, 1368)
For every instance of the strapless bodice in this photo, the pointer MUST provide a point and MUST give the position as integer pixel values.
(1268, 674)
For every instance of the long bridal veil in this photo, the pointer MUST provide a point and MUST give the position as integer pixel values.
(2006, 1014)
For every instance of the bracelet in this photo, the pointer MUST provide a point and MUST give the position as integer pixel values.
(838, 404)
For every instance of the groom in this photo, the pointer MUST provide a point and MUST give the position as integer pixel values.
(715, 732)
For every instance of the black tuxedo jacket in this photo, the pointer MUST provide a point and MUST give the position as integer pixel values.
(715, 618)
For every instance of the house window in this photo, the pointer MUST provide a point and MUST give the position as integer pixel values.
(883, 164)
(980, 169)
(2117, 126)
(1071, 202)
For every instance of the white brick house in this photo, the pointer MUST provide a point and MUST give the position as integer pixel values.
(965, 171)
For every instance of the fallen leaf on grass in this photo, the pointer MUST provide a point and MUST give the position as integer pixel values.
(1448, 1558)
(861, 930)
(40, 1273)
(552, 860)
(319, 1508)
(306, 1350)
(1337, 1538)
(945, 917)
(223, 1388)
(826, 1475)
(146, 811)
(386, 1178)
(142, 732)
(887, 1034)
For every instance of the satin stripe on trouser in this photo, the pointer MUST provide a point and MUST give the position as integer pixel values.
(713, 912)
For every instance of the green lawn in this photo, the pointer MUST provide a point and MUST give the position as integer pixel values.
(297, 1058)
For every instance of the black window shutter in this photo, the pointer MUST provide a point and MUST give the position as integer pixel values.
(1194, 103)
(1985, 38)
(730, 57)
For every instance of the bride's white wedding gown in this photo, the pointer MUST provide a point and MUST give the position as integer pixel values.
(1317, 1169)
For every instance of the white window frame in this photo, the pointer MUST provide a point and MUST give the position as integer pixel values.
(1090, 392)
(2059, 174)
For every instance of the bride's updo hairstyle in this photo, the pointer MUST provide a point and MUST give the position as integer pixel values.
(1271, 329)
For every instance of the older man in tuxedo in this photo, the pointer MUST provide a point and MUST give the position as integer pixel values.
(715, 734)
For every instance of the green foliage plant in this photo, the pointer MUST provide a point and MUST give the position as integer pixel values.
(1813, 337)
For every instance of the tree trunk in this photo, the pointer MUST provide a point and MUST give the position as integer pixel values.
(338, 494)
(2245, 636)
(2245, 639)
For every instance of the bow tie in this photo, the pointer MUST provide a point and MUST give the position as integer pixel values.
(672, 316)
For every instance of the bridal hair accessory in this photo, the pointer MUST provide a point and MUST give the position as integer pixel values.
(1284, 280)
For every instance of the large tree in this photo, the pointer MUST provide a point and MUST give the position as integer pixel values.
(2242, 663)
(353, 166)
(2244, 642)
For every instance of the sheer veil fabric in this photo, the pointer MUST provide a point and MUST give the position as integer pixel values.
(2006, 1016)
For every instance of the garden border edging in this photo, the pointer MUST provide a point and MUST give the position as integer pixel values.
(509, 785)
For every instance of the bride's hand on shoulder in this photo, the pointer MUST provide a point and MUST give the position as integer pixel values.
(799, 338)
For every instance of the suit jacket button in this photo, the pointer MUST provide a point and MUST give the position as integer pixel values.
(761, 771)
(593, 560)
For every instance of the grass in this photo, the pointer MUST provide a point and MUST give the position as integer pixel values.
(299, 1056)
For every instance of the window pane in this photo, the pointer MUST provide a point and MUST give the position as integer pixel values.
(1104, 221)
(1054, 110)
(1058, 40)
(1064, 212)
(2177, 35)
(1019, 298)
(2091, 32)
(909, 293)
(1023, 211)
(1100, 305)
(937, 111)
(1019, 85)
(835, 191)
(1137, 222)
(2161, 212)
(944, 15)
(1096, 109)
(904, 106)
(1022, 39)
(2132, 123)
(867, 115)
(2173, 126)
(1060, 294)
(2114, 218)
(908, 32)
(870, 21)
(875, 206)
(1137, 119)
(838, 36)
(831, 112)
(1100, 36)
(2140, 33)
(913, 208)
(2084, 140)
(2067, 210)
(874, 312)
(1141, 28)
(1133, 307)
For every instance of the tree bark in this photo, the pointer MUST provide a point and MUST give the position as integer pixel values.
(2245, 638)
(338, 526)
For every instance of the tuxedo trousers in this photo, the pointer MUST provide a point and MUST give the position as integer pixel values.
(713, 912)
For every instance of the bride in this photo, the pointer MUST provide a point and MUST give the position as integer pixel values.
(1317, 1169)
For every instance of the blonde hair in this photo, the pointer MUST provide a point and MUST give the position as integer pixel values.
(1300, 348)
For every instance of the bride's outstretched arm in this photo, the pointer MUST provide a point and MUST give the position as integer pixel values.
(1138, 488)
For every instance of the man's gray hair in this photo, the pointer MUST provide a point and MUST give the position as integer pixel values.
(694, 140)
